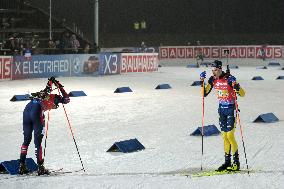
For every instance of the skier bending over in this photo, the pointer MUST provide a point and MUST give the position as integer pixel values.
(226, 87)
(33, 120)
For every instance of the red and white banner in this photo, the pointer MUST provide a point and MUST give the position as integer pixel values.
(139, 62)
(216, 52)
(5, 67)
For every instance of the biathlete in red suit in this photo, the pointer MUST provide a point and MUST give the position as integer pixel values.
(33, 120)
(226, 87)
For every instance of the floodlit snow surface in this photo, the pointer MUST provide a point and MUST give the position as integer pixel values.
(161, 120)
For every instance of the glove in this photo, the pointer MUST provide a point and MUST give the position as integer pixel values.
(203, 75)
(52, 79)
(236, 87)
(231, 80)
(55, 82)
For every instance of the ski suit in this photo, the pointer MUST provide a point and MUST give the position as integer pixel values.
(34, 120)
(226, 110)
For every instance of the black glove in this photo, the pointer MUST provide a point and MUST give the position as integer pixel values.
(52, 79)
(55, 82)
(237, 86)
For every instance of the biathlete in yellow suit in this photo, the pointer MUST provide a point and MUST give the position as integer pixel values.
(226, 87)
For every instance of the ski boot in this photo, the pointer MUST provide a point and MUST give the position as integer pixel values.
(236, 164)
(227, 163)
(23, 169)
(42, 170)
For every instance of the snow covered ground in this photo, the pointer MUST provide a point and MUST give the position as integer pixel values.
(161, 120)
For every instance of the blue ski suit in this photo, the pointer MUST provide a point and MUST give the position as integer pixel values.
(34, 120)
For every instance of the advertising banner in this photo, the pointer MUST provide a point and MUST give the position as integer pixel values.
(139, 62)
(5, 67)
(40, 66)
(109, 63)
(216, 52)
(84, 64)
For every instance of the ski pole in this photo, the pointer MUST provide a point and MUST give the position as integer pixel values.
(241, 128)
(202, 129)
(238, 119)
(72, 135)
(46, 132)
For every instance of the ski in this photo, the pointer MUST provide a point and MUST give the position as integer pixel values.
(214, 172)
(34, 173)
(61, 171)
(52, 172)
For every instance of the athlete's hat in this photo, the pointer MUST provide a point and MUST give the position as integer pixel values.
(217, 64)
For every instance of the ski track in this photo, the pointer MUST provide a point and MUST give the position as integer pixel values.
(162, 120)
(263, 148)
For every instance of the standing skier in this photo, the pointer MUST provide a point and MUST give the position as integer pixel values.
(33, 120)
(226, 87)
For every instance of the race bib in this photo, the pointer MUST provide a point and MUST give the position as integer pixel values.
(222, 94)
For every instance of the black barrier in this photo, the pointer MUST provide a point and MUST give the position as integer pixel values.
(126, 146)
(266, 118)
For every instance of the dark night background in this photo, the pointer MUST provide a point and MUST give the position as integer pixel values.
(208, 17)
(178, 16)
